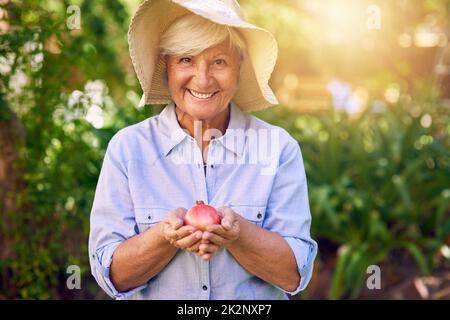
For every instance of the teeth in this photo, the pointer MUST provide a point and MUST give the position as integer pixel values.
(201, 95)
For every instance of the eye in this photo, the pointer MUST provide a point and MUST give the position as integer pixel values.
(220, 61)
(185, 60)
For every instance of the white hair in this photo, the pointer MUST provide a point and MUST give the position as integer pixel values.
(191, 34)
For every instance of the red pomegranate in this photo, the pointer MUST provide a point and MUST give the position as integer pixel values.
(201, 216)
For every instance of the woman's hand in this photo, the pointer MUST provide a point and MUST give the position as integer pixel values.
(222, 235)
(180, 236)
(186, 237)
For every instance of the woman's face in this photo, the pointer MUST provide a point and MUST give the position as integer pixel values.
(203, 85)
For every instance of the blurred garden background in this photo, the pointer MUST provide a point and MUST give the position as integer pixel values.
(364, 86)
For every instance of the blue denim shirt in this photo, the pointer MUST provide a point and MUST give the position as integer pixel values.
(154, 166)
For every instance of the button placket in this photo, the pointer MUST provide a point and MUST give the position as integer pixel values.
(202, 193)
(210, 175)
(204, 276)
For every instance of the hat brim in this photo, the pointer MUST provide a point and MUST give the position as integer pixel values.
(154, 16)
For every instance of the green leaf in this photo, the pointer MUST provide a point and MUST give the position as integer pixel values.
(418, 256)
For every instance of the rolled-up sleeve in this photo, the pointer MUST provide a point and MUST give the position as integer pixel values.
(288, 212)
(112, 218)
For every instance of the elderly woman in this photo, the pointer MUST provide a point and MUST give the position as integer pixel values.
(210, 67)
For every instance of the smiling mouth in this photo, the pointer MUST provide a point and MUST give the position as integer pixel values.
(200, 95)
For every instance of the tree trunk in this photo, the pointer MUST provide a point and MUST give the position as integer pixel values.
(12, 139)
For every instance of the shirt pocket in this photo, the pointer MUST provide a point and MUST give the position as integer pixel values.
(253, 213)
(147, 217)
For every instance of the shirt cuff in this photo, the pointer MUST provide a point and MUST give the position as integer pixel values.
(305, 252)
(103, 260)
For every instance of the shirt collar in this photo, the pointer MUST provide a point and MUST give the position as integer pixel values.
(168, 125)
(233, 139)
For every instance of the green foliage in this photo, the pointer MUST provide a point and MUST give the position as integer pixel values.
(63, 151)
(377, 182)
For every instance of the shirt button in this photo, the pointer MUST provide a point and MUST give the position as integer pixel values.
(259, 215)
(149, 217)
(205, 288)
(212, 166)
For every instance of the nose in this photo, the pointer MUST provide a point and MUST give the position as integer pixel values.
(202, 77)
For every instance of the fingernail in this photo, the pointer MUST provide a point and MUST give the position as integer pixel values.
(198, 235)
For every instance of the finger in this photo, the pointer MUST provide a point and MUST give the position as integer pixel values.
(206, 256)
(180, 233)
(226, 224)
(228, 217)
(195, 247)
(202, 241)
(180, 212)
(202, 254)
(225, 211)
(218, 230)
(208, 248)
(176, 217)
(174, 221)
(189, 241)
(214, 238)
(168, 231)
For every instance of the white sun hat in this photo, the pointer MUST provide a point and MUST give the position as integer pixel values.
(154, 16)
